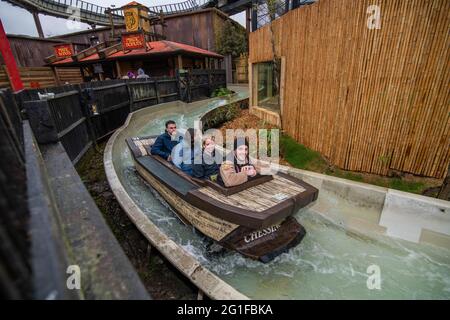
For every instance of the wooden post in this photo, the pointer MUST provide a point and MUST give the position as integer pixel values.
(119, 73)
(157, 92)
(444, 192)
(130, 94)
(111, 21)
(180, 62)
(56, 75)
(38, 24)
(10, 62)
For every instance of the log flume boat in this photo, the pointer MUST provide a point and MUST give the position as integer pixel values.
(254, 219)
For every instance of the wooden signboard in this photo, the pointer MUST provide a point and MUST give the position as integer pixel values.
(133, 41)
(131, 19)
(63, 50)
(136, 17)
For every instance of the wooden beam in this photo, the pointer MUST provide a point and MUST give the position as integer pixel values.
(38, 24)
(56, 75)
(248, 19)
(104, 53)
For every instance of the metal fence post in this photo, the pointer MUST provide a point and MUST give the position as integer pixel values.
(87, 97)
(158, 100)
(130, 94)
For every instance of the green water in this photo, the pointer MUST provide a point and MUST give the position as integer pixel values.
(330, 263)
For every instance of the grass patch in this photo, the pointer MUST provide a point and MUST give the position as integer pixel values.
(408, 186)
(345, 175)
(302, 157)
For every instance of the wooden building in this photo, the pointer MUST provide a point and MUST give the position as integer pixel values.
(198, 28)
(161, 58)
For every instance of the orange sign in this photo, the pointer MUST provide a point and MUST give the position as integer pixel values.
(133, 41)
(63, 50)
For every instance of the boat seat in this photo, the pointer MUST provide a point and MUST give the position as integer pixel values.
(140, 146)
(163, 173)
(228, 191)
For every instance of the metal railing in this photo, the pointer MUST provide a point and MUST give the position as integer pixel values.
(94, 14)
(263, 15)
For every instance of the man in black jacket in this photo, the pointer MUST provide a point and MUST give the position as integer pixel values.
(164, 144)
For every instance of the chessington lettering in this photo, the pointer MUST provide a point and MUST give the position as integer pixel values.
(261, 233)
(248, 309)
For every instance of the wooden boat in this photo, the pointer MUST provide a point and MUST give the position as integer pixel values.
(254, 219)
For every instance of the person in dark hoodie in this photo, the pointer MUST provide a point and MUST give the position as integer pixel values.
(206, 167)
(164, 144)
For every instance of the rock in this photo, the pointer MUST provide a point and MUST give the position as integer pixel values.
(108, 195)
(97, 188)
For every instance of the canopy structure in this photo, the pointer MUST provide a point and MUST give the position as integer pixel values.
(157, 58)
(154, 48)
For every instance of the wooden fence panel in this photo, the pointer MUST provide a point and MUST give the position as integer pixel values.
(42, 77)
(370, 100)
(69, 75)
(4, 80)
(108, 106)
(148, 92)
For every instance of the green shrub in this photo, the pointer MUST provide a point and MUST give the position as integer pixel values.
(220, 92)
